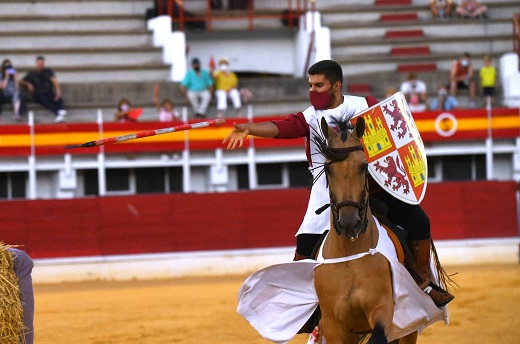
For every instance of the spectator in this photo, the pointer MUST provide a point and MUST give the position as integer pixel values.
(10, 91)
(414, 91)
(226, 85)
(472, 9)
(462, 76)
(197, 87)
(45, 89)
(126, 113)
(441, 9)
(444, 101)
(390, 91)
(167, 113)
(488, 79)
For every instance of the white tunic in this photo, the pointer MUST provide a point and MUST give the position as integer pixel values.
(312, 223)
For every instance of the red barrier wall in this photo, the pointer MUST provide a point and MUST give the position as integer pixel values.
(217, 221)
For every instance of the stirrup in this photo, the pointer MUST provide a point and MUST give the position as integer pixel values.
(436, 289)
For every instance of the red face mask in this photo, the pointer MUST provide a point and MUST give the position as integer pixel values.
(320, 100)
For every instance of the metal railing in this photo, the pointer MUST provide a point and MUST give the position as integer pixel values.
(181, 17)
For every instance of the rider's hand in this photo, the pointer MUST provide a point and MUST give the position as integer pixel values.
(237, 136)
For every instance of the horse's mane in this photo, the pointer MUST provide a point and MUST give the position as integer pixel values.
(342, 126)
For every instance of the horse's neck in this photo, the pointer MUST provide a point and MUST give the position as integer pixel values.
(340, 246)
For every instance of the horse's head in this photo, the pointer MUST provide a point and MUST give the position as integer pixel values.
(346, 169)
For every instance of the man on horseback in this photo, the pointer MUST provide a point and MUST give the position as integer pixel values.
(325, 82)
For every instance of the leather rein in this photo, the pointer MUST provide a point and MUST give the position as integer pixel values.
(337, 155)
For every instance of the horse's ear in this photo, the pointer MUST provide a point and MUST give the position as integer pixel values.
(324, 128)
(360, 127)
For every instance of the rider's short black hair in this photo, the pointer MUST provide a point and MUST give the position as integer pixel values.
(330, 68)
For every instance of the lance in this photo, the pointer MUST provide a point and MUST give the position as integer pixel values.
(122, 138)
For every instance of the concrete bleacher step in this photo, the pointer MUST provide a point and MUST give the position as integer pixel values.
(78, 39)
(398, 36)
(83, 41)
(84, 57)
(75, 7)
(74, 23)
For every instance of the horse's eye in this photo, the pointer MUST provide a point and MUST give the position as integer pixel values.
(363, 167)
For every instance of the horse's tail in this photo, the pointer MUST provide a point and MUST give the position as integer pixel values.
(444, 279)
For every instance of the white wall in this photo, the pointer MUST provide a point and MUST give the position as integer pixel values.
(510, 79)
(285, 54)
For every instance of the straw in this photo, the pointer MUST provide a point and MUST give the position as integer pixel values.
(11, 311)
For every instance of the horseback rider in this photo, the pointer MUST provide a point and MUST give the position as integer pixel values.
(325, 82)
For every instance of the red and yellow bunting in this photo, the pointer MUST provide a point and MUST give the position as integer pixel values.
(15, 140)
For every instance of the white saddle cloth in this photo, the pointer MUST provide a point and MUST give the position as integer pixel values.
(279, 299)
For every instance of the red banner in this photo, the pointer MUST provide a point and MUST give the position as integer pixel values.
(434, 126)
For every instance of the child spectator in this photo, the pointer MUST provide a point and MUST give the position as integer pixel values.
(390, 91)
(126, 113)
(472, 9)
(441, 9)
(167, 113)
(488, 79)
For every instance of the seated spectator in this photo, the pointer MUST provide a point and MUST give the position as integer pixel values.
(462, 77)
(390, 91)
(226, 85)
(414, 91)
(126, 113)
(197, 87)
(42, 83)
(444, 101)
(488, 80)
(10, 91)
(471, 9)
(167, 113)
(441, 9)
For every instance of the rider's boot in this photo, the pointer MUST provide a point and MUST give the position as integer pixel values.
(298, 256)
(421, 252)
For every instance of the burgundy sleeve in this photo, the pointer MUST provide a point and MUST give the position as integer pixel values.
(293, 126)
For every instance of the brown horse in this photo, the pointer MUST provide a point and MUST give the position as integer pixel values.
(355, 296)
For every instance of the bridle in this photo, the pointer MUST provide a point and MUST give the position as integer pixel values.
(337, 155)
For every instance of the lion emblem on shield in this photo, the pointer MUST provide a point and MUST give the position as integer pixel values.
(395, 174)
(399, 123)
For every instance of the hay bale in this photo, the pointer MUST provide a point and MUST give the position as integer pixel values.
(11, 311)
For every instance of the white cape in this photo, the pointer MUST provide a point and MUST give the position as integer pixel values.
(279, 299)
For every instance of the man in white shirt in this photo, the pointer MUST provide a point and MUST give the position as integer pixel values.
(415, 92)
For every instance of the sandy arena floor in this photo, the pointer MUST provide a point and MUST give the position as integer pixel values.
(202, 310)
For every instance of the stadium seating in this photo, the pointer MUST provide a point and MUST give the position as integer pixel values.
(101, 50)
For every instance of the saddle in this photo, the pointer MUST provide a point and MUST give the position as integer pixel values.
(397, 234)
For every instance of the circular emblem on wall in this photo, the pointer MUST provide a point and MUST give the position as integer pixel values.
(446, 124)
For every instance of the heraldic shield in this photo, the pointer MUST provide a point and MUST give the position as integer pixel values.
(394, 149)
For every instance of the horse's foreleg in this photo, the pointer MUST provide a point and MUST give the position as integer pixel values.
(334, 333)
(380, 319)
(409, 339)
